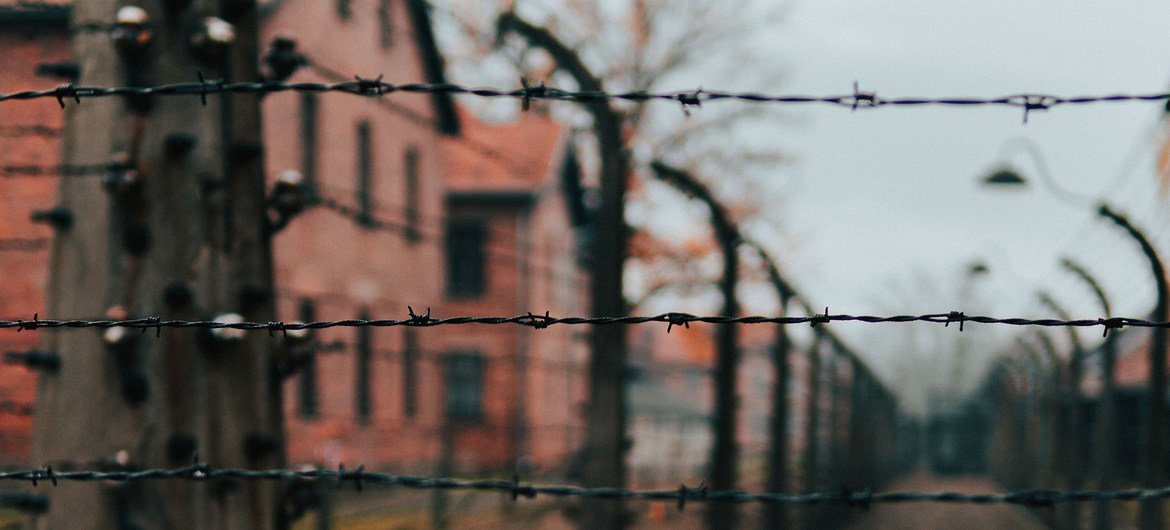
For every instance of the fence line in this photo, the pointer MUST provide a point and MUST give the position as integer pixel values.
(539, 321)
(692, 98)
(358, 477)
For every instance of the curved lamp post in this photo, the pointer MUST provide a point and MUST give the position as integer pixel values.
(1103, 444)
(1068, 415)
(1153, 461)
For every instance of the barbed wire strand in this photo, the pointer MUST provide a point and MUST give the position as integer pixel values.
(543, 321)
(514, 487)
(689, 99)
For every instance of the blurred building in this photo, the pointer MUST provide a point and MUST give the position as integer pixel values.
(28, 137)
(417, 204)
(671, 402)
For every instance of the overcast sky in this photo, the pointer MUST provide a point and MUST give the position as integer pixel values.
(884, 200)
(883, 193)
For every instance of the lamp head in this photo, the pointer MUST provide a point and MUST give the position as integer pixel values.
(1004, 176)
(977, 268)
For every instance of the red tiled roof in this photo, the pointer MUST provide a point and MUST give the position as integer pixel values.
(507, 156)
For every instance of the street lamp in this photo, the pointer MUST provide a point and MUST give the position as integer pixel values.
(1152, 469)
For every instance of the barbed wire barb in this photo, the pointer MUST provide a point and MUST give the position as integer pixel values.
(857, 498)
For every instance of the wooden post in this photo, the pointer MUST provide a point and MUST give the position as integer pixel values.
(179, 231)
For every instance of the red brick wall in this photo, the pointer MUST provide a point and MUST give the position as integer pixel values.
(24, 273)
(346, 268)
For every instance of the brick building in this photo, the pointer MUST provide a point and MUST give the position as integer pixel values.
(28, 38)
(672, 402)
(423, 206)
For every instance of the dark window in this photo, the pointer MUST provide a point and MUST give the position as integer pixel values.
(465, 258)
(344, 9)
(365, 349)
(365, 177)
(409, 372)
(464, 382)
(413, 194)
(309, 142)
(307, 391)
(385, 24)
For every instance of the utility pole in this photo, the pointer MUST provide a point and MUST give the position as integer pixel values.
(725, 451)
(605, 431)
(176, 229)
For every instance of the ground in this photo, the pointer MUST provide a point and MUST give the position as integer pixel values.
(946, 515)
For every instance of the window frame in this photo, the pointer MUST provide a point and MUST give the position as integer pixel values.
(385, 24)
(467, 409)
(308, 402)
(477, 256)
(364, 188)
(411, 163)
(363, 359)
(310, 109)
(409, 373)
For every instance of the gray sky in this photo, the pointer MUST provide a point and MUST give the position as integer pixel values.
(884, 200)
(884, 193)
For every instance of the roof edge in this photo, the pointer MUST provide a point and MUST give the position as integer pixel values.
(52, 17)
(432, 61)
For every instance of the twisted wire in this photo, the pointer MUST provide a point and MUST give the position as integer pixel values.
(694, 98)
(516, 488)
(543, 321)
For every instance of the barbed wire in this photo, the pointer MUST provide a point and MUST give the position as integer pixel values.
(539, 321)
(688, 99)
(24, 244)
(475, 144)
(359, 477)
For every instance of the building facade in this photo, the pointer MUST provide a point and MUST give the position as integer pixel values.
(413, 204)
(28, 137)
